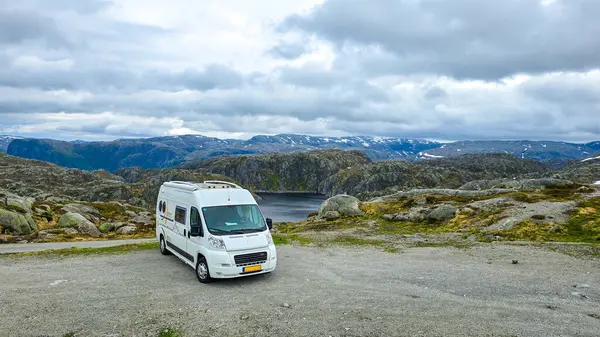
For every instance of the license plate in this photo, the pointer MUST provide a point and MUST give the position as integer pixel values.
(252, 268)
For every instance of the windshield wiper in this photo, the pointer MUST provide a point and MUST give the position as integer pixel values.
(237, 231)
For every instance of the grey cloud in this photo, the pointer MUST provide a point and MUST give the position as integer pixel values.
(214, 76)
(109, 77)
(463, 38)
(435, 92)
(308, 77)
(17, 26)
(287, 50)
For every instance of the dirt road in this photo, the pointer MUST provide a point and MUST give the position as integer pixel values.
(314, 292)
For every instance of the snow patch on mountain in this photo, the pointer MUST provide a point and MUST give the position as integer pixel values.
(588, 159)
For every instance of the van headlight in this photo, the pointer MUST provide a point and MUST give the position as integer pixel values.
(269, 239)
(216, 242)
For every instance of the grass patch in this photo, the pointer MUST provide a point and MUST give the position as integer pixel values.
(170, 332)
(120, 249)
(286, 239)
(355, 241)
(391, 250)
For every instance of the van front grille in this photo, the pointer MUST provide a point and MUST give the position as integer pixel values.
(248, 259)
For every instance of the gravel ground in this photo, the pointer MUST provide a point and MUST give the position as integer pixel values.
(314, 292)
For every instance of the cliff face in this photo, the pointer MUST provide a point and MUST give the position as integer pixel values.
(302, 171)
(440, 173)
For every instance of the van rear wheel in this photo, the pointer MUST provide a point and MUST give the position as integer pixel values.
(202, 272)
(163, 246)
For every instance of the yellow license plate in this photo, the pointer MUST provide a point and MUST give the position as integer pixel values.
(252, 268)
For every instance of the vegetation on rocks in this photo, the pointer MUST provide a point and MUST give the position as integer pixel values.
(301, 171)
(416, 219)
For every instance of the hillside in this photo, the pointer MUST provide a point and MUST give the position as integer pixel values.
(438, 173)
(536, 150)
(164, 152)
(44, 181)
(5, 141)
(302, 171)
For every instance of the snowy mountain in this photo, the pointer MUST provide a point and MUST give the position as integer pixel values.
(5, 140)
(174, 150)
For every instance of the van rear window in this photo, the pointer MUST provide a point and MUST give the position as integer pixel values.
(180, 215)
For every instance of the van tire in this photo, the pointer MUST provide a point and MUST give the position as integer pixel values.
(202, 271)
(163, 246)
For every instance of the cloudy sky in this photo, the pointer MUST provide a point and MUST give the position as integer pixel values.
(434, 69)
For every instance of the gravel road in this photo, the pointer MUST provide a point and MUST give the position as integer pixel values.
(12, 248)
(314, 292)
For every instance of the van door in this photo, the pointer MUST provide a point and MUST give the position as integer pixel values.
(179, 232)
(196, 239)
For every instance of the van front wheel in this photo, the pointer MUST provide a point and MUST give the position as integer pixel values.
(202, 272)
(163, 246)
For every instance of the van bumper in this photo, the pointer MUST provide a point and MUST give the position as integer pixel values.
(222, 264)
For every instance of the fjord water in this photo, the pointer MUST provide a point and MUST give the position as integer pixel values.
(287, 207)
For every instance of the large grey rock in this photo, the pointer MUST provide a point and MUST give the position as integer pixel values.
(129, 229)
(17, 223)
(442, 213)
(556, 212)
(14, 202)
(78, 221)
(143, 218)
(88, 212)
(345, 205)
(330, 215)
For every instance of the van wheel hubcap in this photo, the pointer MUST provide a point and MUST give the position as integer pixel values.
(162, 245)
(202, 270)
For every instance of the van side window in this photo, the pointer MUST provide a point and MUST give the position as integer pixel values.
(180, 215)
(195, 218)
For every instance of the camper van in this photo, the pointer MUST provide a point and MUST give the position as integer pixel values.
(216, 227)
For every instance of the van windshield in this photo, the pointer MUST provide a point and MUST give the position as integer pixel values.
(233, 219)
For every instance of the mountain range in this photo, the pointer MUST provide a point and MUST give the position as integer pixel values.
(162, 152)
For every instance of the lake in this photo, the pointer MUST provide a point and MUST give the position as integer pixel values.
(289, 208)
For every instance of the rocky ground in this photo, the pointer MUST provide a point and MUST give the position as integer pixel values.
(56, 219)
(313, 292)
(546, 210)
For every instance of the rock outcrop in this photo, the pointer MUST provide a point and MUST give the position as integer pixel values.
(343, 205)
(302, 171)
(16, 215)
(79, 222)
(88, 212)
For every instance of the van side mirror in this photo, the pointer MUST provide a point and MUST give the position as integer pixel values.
(270, 223)
(196, 231)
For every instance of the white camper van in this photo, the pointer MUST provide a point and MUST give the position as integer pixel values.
(216, 227)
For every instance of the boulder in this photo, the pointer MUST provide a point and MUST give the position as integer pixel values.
(331, 215)
(442, 213)
(71, 231)
(143, 218)
(79, 222)
(14, 202)
(345, 205)
(129, 229)
(17, 223)
(107, 227)
(88, 212)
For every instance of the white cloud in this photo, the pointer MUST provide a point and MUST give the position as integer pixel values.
(101, 70)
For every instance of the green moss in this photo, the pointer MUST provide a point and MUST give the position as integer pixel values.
(355, 241)
(169, 332)
(390, 250)
(272, 182)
